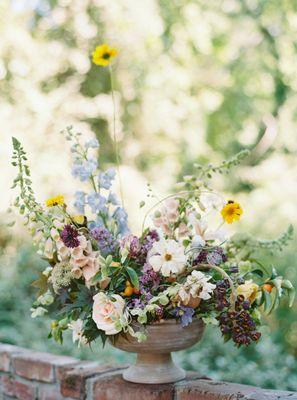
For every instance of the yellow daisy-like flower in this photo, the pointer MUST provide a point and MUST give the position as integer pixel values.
(55, 201)
(104, 54)
(231, 212)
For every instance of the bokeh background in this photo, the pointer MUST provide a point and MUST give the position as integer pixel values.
(195, 81)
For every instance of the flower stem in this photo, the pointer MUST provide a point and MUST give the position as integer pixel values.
(116, 150)
(225, 275)
(178, 194)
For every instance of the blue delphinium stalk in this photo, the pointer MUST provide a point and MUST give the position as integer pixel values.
(92, 144)
(80, 201)
(121, 217)
(97, 203)
(102, 202)
(84, 169)
(105, 178)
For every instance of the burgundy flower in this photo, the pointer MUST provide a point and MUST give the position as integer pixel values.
(69, 236)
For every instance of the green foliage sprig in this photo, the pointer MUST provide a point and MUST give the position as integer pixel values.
(224, 167)
(25, 201)
(279, 243)
(247, 242)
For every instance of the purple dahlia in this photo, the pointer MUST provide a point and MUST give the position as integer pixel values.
(69, 236)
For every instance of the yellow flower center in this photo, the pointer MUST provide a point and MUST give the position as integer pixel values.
(168, 257)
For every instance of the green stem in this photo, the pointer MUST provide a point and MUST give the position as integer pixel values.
(114, 135)
(178, 194)
(225, 275)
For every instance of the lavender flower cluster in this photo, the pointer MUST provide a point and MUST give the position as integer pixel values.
(213, 255)
(106, 242)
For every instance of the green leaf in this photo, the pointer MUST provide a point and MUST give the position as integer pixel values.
(291, 294)
(267, 300)
(133, 277)
(258, 272)
(41, 284)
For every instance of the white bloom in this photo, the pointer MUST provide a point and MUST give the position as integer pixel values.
(202, 234)
(168, 257)
(55, 234)
(38, 312)
(196, 285)
(211, 201)
(47, 271)
(48, 248)
(77, 332)
(46, 299)
(62, 251)
(108, 313)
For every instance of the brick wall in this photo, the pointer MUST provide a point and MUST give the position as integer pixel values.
(28, 375)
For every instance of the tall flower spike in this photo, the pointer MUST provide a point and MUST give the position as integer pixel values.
(104, 54)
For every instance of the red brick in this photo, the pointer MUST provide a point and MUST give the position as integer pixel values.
(112, 387)
(210, 390)
(24, 391)
(73, 382)
(39, 366)
(61, 371)
(6, 351)
(49, 392)
(7, 384)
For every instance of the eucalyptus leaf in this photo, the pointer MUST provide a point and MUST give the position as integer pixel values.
(133, 277)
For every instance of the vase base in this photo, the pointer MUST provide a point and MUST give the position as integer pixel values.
(153, 369)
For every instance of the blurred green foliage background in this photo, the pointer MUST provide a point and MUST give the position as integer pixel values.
(196, 80)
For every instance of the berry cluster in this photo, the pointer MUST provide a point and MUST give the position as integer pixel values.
(239, 324)
(220, 295)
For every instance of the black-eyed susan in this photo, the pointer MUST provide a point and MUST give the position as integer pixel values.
(55, 201)
(231, 212)
(104, 54)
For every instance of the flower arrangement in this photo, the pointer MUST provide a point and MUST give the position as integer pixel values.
(102, 280)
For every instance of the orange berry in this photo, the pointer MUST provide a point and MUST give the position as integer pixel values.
(136, 291)
(128, 291)
(268, 287)
(128, 283)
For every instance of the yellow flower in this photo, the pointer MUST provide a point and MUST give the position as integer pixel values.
(103, 55)
(55, 201)
(248, 290)
(231, 212)
(79, 219)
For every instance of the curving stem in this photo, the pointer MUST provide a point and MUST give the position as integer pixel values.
(225, 275)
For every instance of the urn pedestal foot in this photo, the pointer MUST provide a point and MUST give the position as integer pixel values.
(154, 368)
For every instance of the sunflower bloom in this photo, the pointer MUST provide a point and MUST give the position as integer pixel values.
(55, 201)
(231, 212)
(104, 54)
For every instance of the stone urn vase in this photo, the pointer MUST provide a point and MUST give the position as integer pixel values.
(154, 363)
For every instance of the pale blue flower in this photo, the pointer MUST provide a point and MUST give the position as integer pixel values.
(96, 224)
(80, 201)
(121, 217)
(97, 202)
(112, 199)
(84, 169)
(93, 143)
(105, 178)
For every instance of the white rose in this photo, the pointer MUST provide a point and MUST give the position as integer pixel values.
(108, 313)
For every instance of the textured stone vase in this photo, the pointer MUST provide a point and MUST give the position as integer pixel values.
(154, 363)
